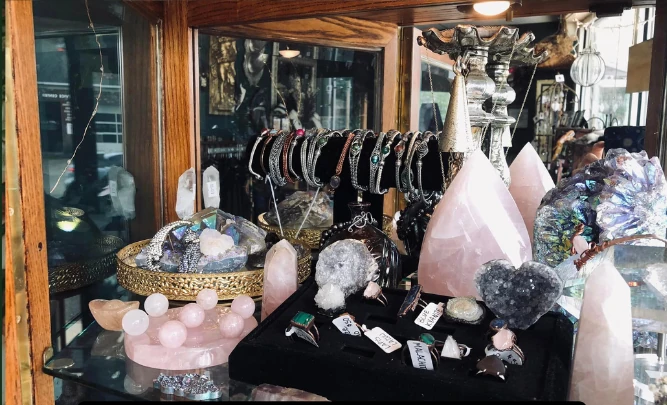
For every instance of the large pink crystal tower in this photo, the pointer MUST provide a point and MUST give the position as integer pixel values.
(476, 221)
(530, 182)
(603, 367)
(280, 276)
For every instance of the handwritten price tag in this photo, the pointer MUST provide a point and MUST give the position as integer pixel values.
(420, 355)
(429, 316)
(560, 78)
(212, 189)
(346, 325)
(381, 338)
(113, 188)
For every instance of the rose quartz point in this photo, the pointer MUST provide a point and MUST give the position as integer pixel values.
(373, 290)
(207, 298)
(504, 339)
(192, 315)
(530, 182)
(204, 345)
(603, 363)
(580, 244)
(244, 306)
(476, 221)
(280, 276)
(109, 314)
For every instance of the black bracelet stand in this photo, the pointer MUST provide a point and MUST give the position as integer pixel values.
(345, 193)
(348, 367)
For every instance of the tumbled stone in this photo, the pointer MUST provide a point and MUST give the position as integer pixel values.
(343, 268)
(520, 296)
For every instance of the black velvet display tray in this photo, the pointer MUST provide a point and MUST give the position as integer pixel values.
(353, 368)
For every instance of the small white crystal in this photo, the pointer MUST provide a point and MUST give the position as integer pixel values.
(330, 297)
(185, 195)
(211, 182)
(213, 243)
(451, 349)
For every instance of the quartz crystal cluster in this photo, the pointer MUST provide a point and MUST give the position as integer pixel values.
(215, 242)
(343, 268)
(621, 195)
(293, 209)
(520, 296)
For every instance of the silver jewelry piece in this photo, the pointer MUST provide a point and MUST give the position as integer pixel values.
(354, 155)
(192, 253)
(154, 249)
(399, 151)
(274, 160)
(409, 188)
(252, 154)
(293, 144)
(319, 144)
(375, 161)
(304, 153)
(384, 152)
(422, 150)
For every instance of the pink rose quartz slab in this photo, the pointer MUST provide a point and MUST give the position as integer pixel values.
(530, 182)
(268, 392)
(476, 221)
(203, 347)
(603, 367)
(280, 276)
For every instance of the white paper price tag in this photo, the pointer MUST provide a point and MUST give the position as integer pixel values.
(429, 316)
(194, 191)
(560, 78)
(420, 355)
(212, 189)
(383, 339)
(113, 188)
(346, 325)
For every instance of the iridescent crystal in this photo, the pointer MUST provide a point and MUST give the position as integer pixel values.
(634, 198)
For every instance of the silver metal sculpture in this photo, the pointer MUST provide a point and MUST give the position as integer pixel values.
(154, 250)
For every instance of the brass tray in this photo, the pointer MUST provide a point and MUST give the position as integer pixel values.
(310, 237)
(71, 276)
(185, 287)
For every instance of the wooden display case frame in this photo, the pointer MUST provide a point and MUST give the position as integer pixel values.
(163, 70)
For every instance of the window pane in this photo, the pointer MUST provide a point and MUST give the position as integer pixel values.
(247, 85)
(441, 76)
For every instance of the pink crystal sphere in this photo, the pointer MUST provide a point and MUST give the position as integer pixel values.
(244, 306)
(156, 305)
(192, 315)
(231, 325)
(135, 322)
(207, 299)
(172, 334)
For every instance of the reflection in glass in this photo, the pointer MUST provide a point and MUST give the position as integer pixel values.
(247, 85)
(441, 77)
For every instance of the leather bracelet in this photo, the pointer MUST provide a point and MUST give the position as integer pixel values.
(334, 183)
(384, 152)
(261, 136)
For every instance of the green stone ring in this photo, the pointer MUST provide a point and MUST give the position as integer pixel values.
(303, 324)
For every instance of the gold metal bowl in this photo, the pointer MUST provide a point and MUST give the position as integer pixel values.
(310, 237)
(186, 286)
(71, 276)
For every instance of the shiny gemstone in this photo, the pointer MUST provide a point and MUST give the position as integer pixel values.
(300, 132)
(498, 324)
(356, 147)
(334, 182)
(321, 141)
(427, 338)
(375, 159)
(302, 319)
(385, 149)
(399, 148)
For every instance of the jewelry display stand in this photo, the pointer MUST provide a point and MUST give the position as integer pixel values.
(345, 193)
(346, 367)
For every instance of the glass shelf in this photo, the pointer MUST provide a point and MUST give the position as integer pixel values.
(96, 359)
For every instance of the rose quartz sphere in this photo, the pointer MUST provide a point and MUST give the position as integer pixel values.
(250, 324)
(231, 325)
(135, 322)
(192, 315)
(156, 305)
(172, 334)
(244, 306)
(207, 299)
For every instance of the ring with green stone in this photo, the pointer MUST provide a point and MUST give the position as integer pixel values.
(303, 324)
